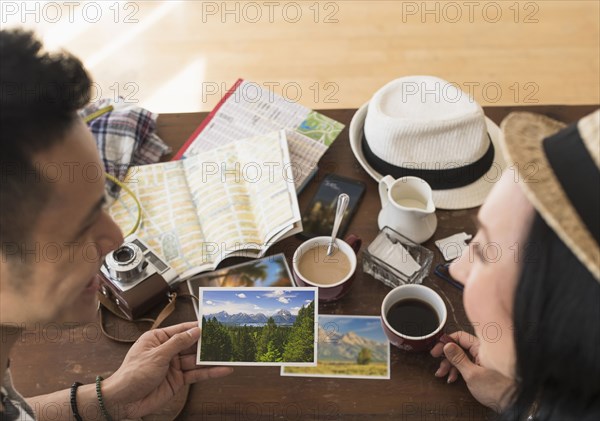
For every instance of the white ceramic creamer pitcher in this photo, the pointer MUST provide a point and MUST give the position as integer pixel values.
(407, 207)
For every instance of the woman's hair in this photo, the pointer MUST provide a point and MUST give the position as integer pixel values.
(557, 333)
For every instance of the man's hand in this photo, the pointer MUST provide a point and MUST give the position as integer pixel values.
(156, 367)
(489, 387)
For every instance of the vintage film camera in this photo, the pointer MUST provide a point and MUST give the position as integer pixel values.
(135, 278)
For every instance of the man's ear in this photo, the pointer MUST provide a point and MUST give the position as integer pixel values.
(15, 266)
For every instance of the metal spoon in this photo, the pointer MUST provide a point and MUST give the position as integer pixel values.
(342, 204)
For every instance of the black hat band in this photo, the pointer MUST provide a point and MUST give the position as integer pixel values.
(572, 164)
(438, 179)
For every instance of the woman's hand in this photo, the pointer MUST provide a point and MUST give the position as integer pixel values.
(488, 386)
(156, 367)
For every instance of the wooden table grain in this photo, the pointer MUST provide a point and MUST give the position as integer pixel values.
(48, 358)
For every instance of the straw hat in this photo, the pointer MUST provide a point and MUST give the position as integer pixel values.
(426, 127)
(559, 170)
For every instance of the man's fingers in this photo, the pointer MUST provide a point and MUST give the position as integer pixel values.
(200, 374)
(188, 362)
(459, 359)
(191, 350)
(180, 342)
(178, 328)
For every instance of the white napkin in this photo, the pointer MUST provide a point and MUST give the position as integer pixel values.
(394, 254)
(453, 246)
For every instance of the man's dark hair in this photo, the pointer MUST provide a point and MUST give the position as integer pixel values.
(40, 94)
(557, 333)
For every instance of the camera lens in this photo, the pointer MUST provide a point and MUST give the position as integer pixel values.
(125, 263)
(124, 254)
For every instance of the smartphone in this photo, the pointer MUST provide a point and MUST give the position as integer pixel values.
(318, 217)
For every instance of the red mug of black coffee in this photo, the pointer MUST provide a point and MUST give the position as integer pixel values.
(333, 274)
(413, 317)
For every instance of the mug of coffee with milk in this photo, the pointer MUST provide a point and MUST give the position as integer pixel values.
(333, 274)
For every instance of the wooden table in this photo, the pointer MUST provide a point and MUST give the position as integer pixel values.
(47, 359)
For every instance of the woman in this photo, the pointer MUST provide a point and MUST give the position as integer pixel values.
(532, 278)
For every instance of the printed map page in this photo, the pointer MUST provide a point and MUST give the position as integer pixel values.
(274, 200)
(244, 192)
(169, 221)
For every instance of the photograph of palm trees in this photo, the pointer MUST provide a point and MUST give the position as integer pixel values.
(258, 326)
(270, 271)
(350, 347)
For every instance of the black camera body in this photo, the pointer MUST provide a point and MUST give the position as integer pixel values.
(135, 278)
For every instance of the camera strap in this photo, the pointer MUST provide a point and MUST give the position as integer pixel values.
(108, 305)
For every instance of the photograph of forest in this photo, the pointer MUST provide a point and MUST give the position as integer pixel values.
(258, 326)
(349, 346)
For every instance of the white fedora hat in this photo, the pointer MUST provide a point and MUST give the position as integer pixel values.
(426, 127)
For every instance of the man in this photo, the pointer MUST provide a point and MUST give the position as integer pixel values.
(55, 232)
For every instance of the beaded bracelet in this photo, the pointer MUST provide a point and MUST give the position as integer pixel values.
(100, 400)
(73, 399)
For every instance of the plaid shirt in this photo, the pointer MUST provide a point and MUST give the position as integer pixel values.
(14, 406)
(125, 136)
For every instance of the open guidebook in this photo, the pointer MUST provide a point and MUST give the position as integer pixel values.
(232, 200)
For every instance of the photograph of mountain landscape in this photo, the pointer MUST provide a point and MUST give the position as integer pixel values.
(258, 326)
(349, 347)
